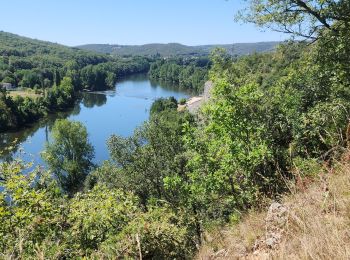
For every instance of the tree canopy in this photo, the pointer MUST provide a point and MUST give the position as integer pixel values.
(41, 67)
(301, 18)
(273, 120)
(69, 155)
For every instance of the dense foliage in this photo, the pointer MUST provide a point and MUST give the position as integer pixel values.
(19, 111)
(38, 221)
(69, 155)
(271, 118)
(42, 66)
(176, 49)
(187, 73)
(300, 18)
(163, 104)
(36, 64)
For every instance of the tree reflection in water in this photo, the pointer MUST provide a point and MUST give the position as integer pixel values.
(93, 99)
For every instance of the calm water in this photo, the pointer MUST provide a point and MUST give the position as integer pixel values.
(117, 111)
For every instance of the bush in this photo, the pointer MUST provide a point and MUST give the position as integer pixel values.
(163, 104)
(182, 101)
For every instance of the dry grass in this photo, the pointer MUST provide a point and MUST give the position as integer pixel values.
(24, 93)
(318, 225)
(181, 108)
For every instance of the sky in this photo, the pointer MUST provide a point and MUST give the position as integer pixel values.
(130, 22)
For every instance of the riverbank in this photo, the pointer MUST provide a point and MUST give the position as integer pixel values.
(194, 103)
(118, 111)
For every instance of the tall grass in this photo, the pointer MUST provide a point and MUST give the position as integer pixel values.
(318, 225)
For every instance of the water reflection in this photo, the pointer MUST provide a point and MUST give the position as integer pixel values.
(170, 86)
(117, 111)
(10, 142)
(93, 99)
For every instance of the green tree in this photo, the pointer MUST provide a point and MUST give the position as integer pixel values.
(141, 162)
(162, 104)
(29, 211)
(70, 154)
(91, 226)
(301, 18)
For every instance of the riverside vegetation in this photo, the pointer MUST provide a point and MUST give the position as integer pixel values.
(187, 73)
(50, 76)
(56, 73)
(273, 119)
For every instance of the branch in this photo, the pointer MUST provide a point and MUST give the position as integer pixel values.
(317, 15)
(139, 246)
(297, 33)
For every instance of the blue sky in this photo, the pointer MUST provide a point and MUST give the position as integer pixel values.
(74, 22)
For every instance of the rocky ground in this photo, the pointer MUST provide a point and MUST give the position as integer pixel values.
(311, 222)
(194, 103)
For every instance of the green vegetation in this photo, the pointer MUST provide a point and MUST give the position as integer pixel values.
(37, 64)
(70, 155)
(38, 221)
(182, 101)
(163, 104)
(272, 118)
(176, 49)
(19, 111)
(42, 66)
(187, 73)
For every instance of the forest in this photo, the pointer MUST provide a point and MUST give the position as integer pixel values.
(273, 118)
(51, 76)
(187, 73)
(36, 64)
(176, 49)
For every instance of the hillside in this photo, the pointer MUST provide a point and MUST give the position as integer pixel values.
(260, 171)
(23, 53)
(172, 49)
(270, 137)
(49, 76)
(19, 46)
(310, 223)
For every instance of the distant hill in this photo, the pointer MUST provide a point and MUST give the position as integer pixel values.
(171, 49)
(50, 74)
(41, 54)
(31, 63)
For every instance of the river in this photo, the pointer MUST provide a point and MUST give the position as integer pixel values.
(118, 111)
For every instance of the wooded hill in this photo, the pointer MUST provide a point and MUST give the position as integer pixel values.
(27, 62)
(175, 49)
(40, 53)
(50, 74)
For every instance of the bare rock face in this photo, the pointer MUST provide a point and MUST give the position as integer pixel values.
(275, 226)
(194, 103)
(276, 221)
(207, 89)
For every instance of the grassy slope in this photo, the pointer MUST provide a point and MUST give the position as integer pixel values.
(171, 49)
(317, 224)
(24, 93)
